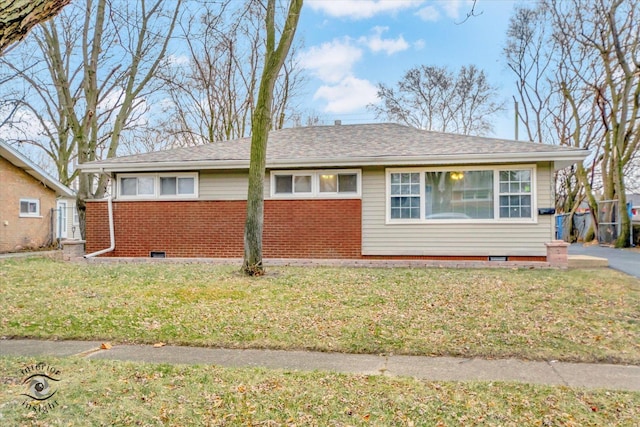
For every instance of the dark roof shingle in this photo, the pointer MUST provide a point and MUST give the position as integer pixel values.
(328, 143)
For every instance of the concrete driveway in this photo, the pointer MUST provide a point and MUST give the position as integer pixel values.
(625, 260)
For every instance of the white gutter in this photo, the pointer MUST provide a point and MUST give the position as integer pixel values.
(112, 236)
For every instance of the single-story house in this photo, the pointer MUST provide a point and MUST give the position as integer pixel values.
(371, 191)
(34, 207)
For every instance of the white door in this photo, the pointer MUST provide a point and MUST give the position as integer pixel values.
(62, 219)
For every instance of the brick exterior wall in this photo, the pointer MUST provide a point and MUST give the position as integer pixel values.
(329, 229)
(215, 229)
(17, 232)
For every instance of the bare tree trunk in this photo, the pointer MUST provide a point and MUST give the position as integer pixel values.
(17, 17)
(260, 126)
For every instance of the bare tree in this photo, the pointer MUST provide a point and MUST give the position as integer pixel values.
(529, 56)
(99, 63)
(212, 89)
(543, 112)
(601, 42)
(434, 98)
(578, 77)
(261, 122)
(18, 17)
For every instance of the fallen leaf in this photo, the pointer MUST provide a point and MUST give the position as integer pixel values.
(159, 344)
(106, 346)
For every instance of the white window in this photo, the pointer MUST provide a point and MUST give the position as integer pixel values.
(315, 184)
(29, 207)
(459, 195)
(137, 186)
(405, 195)
(293, 184)
(515, 194)
(338, 182)
(151, 186)
(177, 186)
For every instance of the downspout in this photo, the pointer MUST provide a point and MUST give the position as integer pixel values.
(112, 236)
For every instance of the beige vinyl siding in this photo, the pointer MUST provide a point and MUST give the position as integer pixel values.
(71, 207)
(452, 239)
(224, 185)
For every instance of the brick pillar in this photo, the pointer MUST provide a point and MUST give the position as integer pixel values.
(72, 249)
(557, 253)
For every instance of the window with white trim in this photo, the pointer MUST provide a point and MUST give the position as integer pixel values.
(515, 194)
(177, 186)
(315, 184)
(405, 195)
(29, 207)
(338, 182)
(151, 186)
(480, 194)
(134, 186)
(459, 194)
(293, 183)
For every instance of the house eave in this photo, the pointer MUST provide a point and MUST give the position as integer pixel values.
(20, 161)
(560, 160)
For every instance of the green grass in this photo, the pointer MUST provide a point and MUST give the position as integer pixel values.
(105, 393)
(590, 316)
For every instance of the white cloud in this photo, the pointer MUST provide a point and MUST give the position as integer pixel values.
(113, 102)
(450, 8)
(331, 62)
(360, 9)
(23, 125)
(178, 59)
(349, 95)
(390, 46)
(419, 44)
(428, 13)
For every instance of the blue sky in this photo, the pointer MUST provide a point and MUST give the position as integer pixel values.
(352, 45)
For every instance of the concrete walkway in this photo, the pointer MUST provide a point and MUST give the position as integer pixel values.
(624, 260)
(612, 377)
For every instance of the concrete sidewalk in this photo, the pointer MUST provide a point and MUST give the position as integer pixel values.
(613, 377)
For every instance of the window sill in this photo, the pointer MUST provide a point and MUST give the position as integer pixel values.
(315, 197)
(155, 199)
(461, 222)
(30, 216)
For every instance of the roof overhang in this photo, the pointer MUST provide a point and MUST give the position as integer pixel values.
(559, 159)
(20, 161)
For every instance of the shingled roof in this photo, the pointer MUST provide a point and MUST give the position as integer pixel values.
(345, 145)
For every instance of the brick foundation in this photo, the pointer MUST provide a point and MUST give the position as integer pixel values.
(215, 229)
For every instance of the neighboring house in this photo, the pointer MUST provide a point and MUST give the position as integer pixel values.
(29, 202)
(634, 201)
(345, 191)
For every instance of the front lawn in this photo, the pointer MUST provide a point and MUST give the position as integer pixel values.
(106, 393)
(590, 315)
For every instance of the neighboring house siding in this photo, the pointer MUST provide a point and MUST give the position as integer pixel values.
(72, 223)
(451, 239)
(17, 232)
(293, 228)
